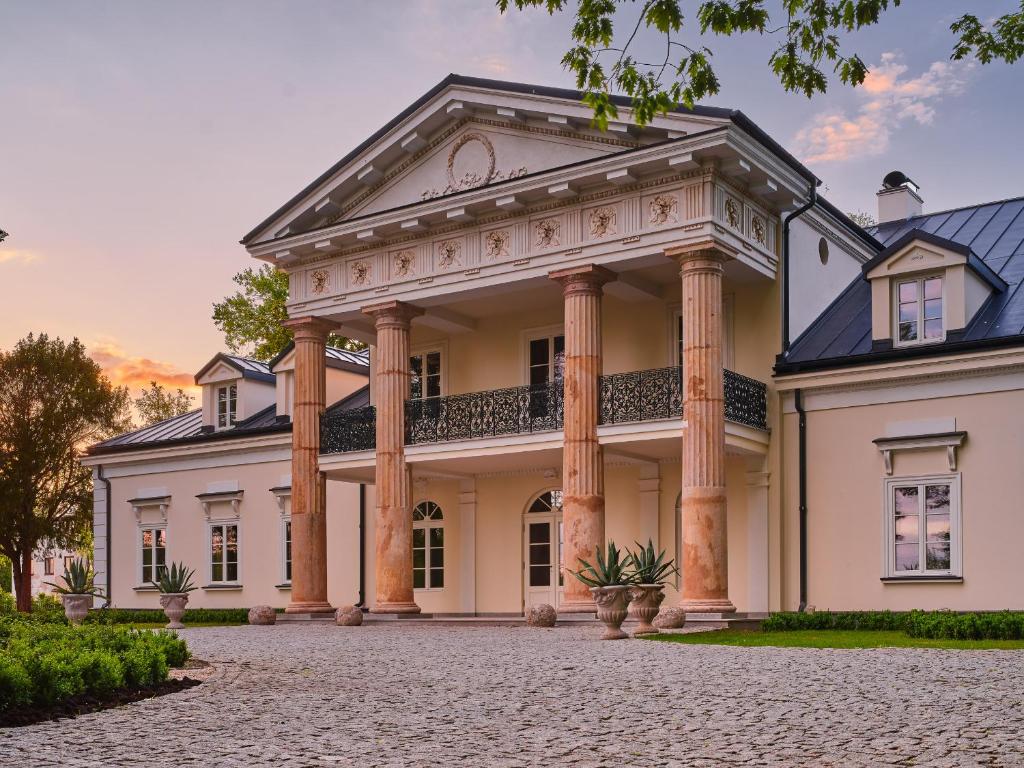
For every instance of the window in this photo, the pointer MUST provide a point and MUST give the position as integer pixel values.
(427, 546)
(923, 527)
(287, 536)
(546, 361)
(224, 552)
(919, 310)
(68, 560)
(154, 554)
(426, 375)
(48, 566)
(227, 406)
(539, 542)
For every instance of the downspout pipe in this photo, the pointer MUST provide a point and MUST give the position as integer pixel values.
(362, 545)
(110, 554)
(812, 198)
(798, 400)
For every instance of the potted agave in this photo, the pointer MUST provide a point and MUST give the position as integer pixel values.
(609, 583)
(77, 591)
(650, 571)
(174, 585)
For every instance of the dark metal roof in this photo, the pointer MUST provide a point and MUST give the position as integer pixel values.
(991, 233)
(357, 361)
(734, 115)
(250, 369)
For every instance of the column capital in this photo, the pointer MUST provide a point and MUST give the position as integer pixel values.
(392, 314)
(310, 327)
(588, 278)
(708, 251)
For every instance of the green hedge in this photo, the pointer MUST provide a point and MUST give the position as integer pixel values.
(156, 616)
(938, 625)
(42, 664)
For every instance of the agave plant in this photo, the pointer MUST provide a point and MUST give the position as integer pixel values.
(175, 580)
(650, 567)
(78, 580)
(607, 571)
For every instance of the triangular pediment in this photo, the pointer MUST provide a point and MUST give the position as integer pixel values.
(465, 133)
(917, 257)
(219, 372)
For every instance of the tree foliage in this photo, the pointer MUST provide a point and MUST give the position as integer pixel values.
(157, 403)
(809, 44)
(252, 319)
(54, 401)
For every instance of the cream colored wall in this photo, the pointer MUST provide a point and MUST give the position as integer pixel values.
(341, 384)
(846, 514)
(259, 522)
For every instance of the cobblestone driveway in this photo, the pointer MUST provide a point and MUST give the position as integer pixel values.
(389, 694)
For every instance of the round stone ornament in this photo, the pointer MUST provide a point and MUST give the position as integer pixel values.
(348, 616)
(262, 615)
(670, 618)
(542, 615)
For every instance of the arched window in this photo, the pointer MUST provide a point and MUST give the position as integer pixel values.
(427, 546)
(550, 501)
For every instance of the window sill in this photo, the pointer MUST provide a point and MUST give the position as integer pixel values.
(428, 589)
(283, 585)
(943, 578)
(145, 588)
(218, 587)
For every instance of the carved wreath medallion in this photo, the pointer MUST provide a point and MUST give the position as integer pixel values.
(469, 179)
(496, 244)
(664, 209)
(361, 273)
(547, 232)
(318, 281)
(758, 229)
(602, 222)
(732, 213)
(448, 254)
(403, 261)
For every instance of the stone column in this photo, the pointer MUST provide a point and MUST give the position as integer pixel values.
(582, 460)
(705, 561)
(393, 530)
(309, 518)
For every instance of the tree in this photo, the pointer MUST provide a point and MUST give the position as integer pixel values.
(156, 403)
(252, 319)
(808, 42)
(54, 401)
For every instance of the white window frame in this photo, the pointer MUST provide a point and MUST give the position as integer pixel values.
(210, 525)
(534, 334)
(139, 548)
(427, 525)
(676, 318)
(286, 521)
(442, 350)
(955, 570)
(899, 280)
(232, 412)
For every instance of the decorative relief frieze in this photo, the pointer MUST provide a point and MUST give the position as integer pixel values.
(319, 281)
(602, 222)
(361, 273)
(403, 263)
(496, 244)
(449, 254)
(732, 213)
(664, 209)
(547, 233)
(758, 230)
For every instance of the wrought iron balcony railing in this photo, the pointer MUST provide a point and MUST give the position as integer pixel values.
(511, 411)
(345, 431)
(624, 397)
(658, 394)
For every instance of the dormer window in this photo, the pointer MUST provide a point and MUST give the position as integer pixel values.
(227, 406)
(919, 310)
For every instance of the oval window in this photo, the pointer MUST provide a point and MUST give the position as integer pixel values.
(823, 250)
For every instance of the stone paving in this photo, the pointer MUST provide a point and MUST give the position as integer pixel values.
(399, 694)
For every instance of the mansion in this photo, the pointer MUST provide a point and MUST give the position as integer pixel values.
(575, 336)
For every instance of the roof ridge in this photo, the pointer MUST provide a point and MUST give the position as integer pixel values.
(947, 210)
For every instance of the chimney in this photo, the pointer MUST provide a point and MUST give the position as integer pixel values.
(899, 198)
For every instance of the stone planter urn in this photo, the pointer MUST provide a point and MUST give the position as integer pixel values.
(173, 604)
(611, 610)
(644, 604)
(76, 607)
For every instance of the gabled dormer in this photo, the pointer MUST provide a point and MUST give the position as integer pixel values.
(926, 289)
(347, 372)
(234, 388)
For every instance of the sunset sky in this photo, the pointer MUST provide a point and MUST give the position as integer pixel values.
(139, 140)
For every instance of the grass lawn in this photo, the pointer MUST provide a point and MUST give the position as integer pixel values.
(829, 638)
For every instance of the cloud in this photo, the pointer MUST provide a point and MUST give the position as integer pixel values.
(17, 257)
(888, 100)
(138, 372)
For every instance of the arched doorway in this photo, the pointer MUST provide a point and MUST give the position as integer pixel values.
(543, 576)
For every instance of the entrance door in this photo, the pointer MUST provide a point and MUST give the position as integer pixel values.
(542, 551)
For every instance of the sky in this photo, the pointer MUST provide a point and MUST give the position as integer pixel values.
(139, 140)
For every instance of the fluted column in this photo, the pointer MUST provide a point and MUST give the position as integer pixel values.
(582, 462)
(394, 511)
(705, 560)
(309, 518)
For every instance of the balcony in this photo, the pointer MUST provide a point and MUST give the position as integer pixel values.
(637, 396)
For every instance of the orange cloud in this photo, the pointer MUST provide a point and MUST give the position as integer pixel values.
(891, 100)
(15, 256)
(137, 372)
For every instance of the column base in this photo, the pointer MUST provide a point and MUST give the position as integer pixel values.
(578, 606)
(395, 608)
(723, 605)
(310, 607)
